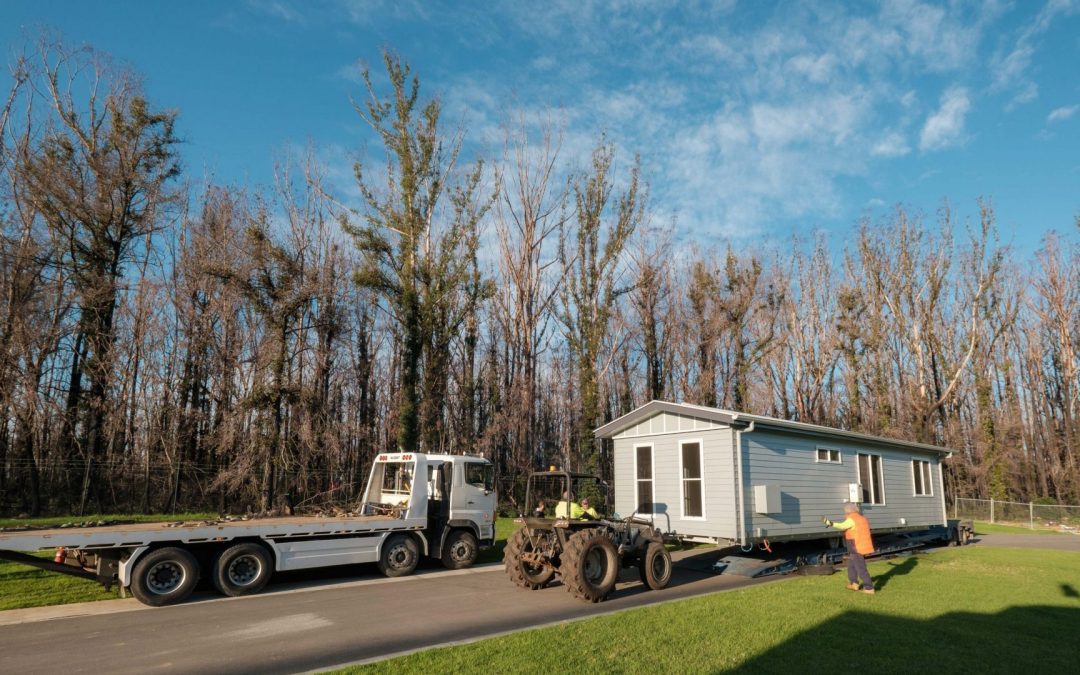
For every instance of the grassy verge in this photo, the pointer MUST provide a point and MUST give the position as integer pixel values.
(956, 610)
(22, 586)
(998, 528)
(53, 521)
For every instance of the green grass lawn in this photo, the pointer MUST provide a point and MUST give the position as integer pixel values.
(22, 586)
(998, 528)
(977, 610)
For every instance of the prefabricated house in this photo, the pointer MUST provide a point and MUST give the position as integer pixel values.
(715, 475)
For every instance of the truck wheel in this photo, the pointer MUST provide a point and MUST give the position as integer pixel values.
(590, 565)
(460, 550)
(655, 567)
(242, 569)
(399, 556)
(164, 576)
(522, 573)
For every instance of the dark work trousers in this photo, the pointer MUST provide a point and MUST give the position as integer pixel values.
(856, 567)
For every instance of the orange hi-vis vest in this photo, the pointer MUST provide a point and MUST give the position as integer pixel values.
(860, 534)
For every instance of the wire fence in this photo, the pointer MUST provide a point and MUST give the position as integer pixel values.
(1064, 517)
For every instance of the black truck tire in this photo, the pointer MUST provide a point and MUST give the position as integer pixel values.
(164, 576)
(399, 556)
(521, 573)
(655, 567)
(590, 565)
(459, 550)
(242, 569)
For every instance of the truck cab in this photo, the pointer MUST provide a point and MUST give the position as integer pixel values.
(453, 494)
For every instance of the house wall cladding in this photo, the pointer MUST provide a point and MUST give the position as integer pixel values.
(783, 457)
(718, 470)
(811, 489)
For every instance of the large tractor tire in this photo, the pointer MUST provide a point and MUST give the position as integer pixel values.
(164, 576)
(522, 573)
(655, 567)
(590, 565)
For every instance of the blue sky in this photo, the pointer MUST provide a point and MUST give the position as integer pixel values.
(753, 119)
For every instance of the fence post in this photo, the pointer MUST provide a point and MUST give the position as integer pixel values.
(955, 507)
(1031, 514)
(991, 509)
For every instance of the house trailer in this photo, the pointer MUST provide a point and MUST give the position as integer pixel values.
(706, 474)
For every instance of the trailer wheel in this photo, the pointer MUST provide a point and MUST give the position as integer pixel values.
(460, 550)
(399, 556)
(655, 567)
(590, 565)
(242, 569)
(165, 576)
(524, 574)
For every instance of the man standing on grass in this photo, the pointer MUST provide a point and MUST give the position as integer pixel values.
(857, 539)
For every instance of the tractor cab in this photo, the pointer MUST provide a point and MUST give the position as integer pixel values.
(565, 496)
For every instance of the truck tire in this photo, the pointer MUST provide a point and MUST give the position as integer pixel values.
(460, 550)
(528, 576)
(655, 567)
(590, 565)
(164, 576)
(399, 556)
(242, 569)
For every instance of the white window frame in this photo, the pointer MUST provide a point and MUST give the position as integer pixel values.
(652, 479)
(839, 455)
(870, 463)
(682, 481)
(927, 478)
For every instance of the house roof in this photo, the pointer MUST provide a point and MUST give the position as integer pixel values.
(738, 419)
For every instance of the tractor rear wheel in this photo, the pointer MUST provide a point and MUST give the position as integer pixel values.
(590, 565)
(524, 574)
(655, 567)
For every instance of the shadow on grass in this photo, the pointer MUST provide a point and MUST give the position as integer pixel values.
(896, 569)
(1014, 640)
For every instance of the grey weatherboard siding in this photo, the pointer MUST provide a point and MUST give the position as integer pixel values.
(777, 453)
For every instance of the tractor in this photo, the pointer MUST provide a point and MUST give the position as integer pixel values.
(582, 546)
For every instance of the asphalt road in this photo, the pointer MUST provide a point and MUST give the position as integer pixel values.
(301, 627)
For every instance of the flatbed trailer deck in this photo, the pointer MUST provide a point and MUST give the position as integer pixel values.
(415, 505)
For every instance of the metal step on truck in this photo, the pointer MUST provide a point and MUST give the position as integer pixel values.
(440, 506)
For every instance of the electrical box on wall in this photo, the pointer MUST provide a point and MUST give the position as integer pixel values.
(854, 491)
(767, 499)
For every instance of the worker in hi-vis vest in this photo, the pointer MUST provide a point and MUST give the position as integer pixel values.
(857, 539)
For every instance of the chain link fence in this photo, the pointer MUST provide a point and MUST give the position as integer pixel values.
(1062, 517)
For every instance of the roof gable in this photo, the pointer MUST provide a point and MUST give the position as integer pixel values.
(717, 416)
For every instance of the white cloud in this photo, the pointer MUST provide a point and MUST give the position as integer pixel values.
(892, 144)
(1011, 70)
(1062, 114)
(946, 126)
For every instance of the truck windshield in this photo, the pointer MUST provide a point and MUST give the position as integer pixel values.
(481, 475)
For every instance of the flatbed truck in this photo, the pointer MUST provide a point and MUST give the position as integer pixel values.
(414, 505)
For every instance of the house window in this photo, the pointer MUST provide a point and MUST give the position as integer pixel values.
(870, 477)
(643, 462)
(693, 502)
(828, 456)
(920, 473)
